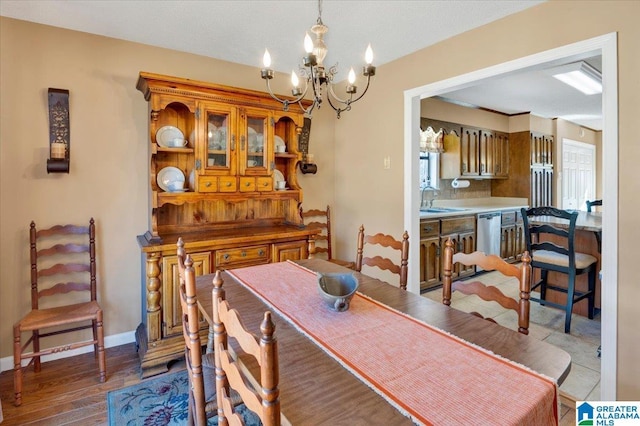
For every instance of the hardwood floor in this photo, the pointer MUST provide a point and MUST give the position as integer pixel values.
(68, 391)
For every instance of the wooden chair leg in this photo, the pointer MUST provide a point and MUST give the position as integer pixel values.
(102, 363)
(37, 366)
(17, 367)
(94, 326)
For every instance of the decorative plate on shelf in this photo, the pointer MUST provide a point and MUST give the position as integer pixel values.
(168, 175)
(279, 142)
(192, 180)
(166, 134)
(278, 176)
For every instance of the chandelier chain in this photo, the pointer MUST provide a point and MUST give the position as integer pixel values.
(319, 21)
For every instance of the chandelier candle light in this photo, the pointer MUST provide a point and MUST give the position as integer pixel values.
(315, 75)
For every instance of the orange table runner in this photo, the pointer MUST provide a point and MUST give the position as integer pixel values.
(429, 375)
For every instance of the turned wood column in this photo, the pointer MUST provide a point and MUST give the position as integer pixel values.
(154, 312)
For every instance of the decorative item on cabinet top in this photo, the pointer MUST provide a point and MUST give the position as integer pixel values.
(59, 131)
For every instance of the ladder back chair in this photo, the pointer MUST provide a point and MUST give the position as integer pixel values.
(381, 262)
(263, 398)
(200, 368)
(63, 270)
(552, 248)
(321, 220)
(489, 293)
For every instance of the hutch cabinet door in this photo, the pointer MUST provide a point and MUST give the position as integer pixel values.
(171, 309)
(256, 142)
(217, 135)
(294, 250)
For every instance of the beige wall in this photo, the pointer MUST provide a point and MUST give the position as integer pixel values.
(108, 178)
(374, 129)
(109, 161)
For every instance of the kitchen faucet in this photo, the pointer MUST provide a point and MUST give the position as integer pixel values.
(434, 195)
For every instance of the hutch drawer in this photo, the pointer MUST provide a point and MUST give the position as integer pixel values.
(254, 255)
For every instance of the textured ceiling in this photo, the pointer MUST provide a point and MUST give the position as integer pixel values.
(240, 30)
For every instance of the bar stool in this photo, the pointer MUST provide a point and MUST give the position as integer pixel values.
(562, 257)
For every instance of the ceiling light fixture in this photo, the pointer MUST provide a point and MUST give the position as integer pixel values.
(315, 75)
(581, 76)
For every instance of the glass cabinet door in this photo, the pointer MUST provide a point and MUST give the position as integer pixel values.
(217, 132)
(256, 131)
(218, 139)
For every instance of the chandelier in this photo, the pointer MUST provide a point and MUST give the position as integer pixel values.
(316, 77)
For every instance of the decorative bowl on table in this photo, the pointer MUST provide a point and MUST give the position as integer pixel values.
(337, 289)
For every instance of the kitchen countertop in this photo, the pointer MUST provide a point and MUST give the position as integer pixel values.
(473, 206)
(585, 221)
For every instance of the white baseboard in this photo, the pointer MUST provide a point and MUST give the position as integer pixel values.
(109, 341)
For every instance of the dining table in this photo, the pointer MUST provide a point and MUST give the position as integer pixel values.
(316, 388)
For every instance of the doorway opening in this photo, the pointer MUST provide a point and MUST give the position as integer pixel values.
(607, 46)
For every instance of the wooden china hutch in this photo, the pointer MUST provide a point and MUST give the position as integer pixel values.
(220, 141)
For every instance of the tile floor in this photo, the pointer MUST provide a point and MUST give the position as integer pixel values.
(583, 382)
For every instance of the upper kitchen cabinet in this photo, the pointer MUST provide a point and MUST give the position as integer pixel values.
(531, 169)
(472, 152)
(541, 147)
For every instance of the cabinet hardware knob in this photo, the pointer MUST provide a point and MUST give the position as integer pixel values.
(226, 256)
(208, 184)
(247, 184)
(228, 183)
(244, 254)
(261, 252)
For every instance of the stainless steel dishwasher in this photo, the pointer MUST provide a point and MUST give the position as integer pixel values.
(488, 239)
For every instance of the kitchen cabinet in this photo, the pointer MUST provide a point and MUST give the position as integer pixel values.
(462, 231)
(530, 169)
(471, 152)
(221, 143)
(429, 254)
(494, 154)
(512, 242)
(433, 235)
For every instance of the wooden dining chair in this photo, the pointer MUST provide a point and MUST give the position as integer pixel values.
(63, 296)
(200, 368)
(263, 398)
(384, 263)
(321, 220)
(489, 293)
(552, 248)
